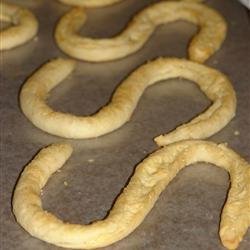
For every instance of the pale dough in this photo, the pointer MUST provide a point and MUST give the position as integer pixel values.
(136, 200)
(90, 3)
(25, 26)
(118, 111)
(204, 44)
(100, 3)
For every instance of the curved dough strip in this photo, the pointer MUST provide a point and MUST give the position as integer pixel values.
(25, 26)
(203, 45)
(100, 3)
(90, 3)
(119, 110)
(137, 199)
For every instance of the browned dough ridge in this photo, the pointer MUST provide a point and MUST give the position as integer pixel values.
(204, 44)
(136, 200)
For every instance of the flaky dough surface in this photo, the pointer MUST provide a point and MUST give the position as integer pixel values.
(134, 36)
(125, 98)
(25, 26)
(136, 200)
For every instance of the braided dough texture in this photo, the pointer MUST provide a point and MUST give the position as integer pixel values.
(100, 3)
(24, 29)
(150, 178)
(203, 45)
(119, 110)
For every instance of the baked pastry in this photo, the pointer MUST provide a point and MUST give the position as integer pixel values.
(136, 200)
(90, 3)
(118, 111)
(100, 3)
(25, 26)
(204, 44)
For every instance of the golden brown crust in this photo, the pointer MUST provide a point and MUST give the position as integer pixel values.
(25, 26)
(205, 43)
(137, 199)
(112, 116)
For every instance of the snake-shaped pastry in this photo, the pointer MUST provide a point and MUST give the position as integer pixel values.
(25, 26)
(118, 111)
(100, 3)
(150, 178)
(134, 36)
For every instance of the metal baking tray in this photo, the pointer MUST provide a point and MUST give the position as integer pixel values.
(187, 214)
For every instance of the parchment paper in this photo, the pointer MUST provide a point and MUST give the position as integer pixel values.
(186, 216)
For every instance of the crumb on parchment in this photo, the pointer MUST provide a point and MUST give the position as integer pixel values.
(236, 132)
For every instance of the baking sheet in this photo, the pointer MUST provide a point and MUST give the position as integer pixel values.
(186, 216)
